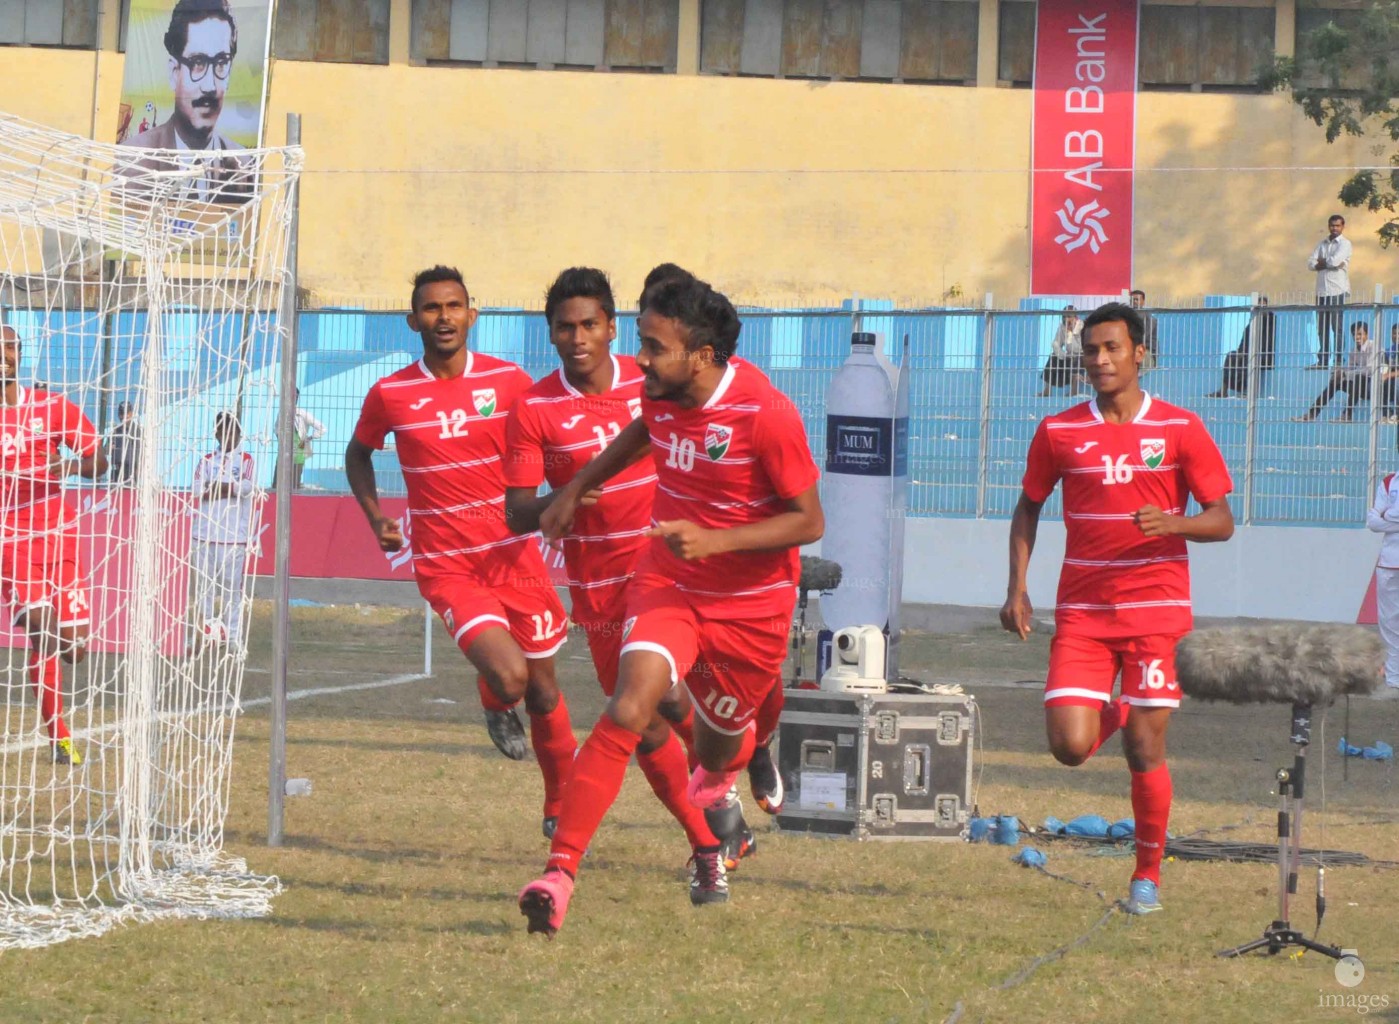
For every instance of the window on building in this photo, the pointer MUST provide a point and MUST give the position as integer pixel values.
(1016, 56)
(885, 40)
(1204, 48)
(49, 23)
(339, 31)
(1309, 19)
(616, 35)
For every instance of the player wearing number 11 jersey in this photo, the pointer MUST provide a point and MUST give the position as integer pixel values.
(1129, 464)
(447, 413)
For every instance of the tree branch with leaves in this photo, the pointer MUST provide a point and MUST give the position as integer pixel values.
(1345, 77)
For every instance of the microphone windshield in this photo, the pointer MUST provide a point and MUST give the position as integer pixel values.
(1280, 664)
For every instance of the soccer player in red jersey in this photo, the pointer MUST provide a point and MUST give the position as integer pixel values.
(554, 430)
(41, 574)
(488, 585)
(1129, 463)
(711, 602)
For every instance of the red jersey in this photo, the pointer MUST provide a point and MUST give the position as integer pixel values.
(733, 461)
(555, 430)
(1117, 583)
(451, 446)
(31, 432)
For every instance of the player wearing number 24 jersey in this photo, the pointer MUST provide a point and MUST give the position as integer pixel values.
(489, 586)
(1129, 465)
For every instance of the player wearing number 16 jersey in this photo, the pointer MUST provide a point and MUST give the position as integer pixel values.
(447, 413)
(555, 429)
(711, 602)
(1129, 464)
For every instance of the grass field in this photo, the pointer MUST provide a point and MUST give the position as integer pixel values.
(401, 871)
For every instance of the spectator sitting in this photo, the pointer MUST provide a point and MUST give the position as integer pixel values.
(1263, 326)
(1138, 298)
(1064, 367)
(1353, 378)
(1389, 378)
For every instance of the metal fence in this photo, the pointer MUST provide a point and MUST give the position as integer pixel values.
(976, 393)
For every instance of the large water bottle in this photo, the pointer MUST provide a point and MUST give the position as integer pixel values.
(865, 495)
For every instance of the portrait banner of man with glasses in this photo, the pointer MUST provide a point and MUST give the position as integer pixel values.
(196, 82)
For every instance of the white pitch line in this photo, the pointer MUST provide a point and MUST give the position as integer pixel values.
(319, 691)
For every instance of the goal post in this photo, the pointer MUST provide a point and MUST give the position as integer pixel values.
(146, 289)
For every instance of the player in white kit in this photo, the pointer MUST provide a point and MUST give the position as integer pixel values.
(222, 533)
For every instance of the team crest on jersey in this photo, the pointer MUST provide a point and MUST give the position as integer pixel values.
(1153, 451)
(447, 618)
(634, 407)
(484, 400)
(626, 628)
(716, 441)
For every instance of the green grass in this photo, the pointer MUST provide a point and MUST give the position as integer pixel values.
(401, 871)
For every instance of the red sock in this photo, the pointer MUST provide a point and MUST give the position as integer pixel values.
(489, 700)
(765, 722)
(597, 779)
(554, 745)
(666, 770)
(686, 731)
(1111, 717)
(46, 673)
(745, 752)
(1151, 805)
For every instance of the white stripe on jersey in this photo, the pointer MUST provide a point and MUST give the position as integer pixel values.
(450, 465)
(1113, 515)
(594, 584)
(455, 508)
(589, 538)
(1127, 563)
(471, 551)
(1133, 466)
(642, 482)
(717, 504)
(1125, 604)
(737, 593)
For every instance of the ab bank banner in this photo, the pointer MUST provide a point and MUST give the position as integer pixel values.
(1083, 147)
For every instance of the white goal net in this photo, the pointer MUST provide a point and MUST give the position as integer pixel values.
(140, 295)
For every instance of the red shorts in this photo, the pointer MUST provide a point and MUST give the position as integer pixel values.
(525, 605)
(599, 612)
(729, 665)
(46, 572)
(1083, 669)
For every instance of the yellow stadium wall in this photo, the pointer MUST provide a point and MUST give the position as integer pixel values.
(782, 192)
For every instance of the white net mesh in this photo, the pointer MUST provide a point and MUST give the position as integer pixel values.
(143, 290)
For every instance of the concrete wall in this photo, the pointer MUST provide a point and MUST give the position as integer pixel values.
(783, 192)
(1263, 572)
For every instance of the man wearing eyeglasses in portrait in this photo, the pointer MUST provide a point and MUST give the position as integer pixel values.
(202, 42)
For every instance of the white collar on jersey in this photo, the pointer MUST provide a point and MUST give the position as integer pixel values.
(724, 383)
(616, 377)
(470, 359)
(1141, 413)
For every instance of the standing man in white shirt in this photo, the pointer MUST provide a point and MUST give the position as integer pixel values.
(1331, 261)
(222, 533)
(305, 429)
(1383, 518)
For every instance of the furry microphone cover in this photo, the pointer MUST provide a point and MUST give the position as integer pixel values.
(1279, 664)
(819, 574)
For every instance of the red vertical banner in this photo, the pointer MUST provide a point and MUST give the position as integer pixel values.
(1084, 143)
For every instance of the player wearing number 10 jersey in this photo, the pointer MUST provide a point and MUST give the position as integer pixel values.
(1129, 464)
(447, 413)
(555, 429)
(711, 602)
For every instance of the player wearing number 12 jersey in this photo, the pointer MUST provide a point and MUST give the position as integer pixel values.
(447, 413)
(1129, 464)
(711, 602)
(555, 429)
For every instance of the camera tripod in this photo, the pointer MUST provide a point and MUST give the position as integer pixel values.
(1280, 934)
